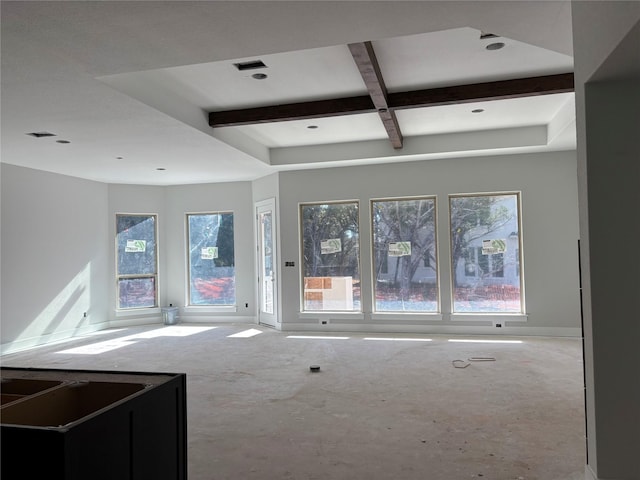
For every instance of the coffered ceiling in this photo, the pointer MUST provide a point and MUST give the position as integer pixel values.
(165, 93)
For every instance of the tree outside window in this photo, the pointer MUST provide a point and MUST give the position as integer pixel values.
(404, 254)
(330, 256)
(485, 246)
(211, 259)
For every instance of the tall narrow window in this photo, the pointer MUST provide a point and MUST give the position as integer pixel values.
(485, 246)
(212, 272)
(137, 266)
(330, 250)
(404, 255)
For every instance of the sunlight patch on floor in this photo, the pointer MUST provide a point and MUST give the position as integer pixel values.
(252, 332)
(399, 339)
(113, 344)
(469, 340)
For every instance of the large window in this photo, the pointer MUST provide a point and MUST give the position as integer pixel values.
(212, 272)
(404, 254)
(137, 266)
(330, 253)
(485, 246)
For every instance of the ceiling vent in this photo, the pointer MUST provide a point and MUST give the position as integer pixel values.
(252, 65)
(41, 134)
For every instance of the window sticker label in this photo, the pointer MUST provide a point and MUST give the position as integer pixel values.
(493, 247)
(135, 246)
(209, 253)
(399, 249)
(333, 245)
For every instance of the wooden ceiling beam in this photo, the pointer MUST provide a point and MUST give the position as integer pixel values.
(478, 92)
(483, 92)
(367, 63)
(292, 111)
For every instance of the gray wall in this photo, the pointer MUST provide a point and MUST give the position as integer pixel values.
(607, 72)
(62, 229)
(549, 223)
(55, 249)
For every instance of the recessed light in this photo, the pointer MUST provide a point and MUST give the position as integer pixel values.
(259, 76)
(495, 46)
(477, 110)
(160, 169)
(311, 127)
(119, 158)
(63, 141)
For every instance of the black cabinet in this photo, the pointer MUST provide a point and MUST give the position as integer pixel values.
(82, 424)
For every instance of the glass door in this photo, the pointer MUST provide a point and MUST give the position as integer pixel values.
(267, 284)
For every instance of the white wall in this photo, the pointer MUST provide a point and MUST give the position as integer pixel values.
(55, 246)
(67, 227)
(220, 197)
(136, 199)
(171, 204)
(549, 223)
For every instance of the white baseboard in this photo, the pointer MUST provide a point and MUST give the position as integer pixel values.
(338, 325)
(213, 319)
(50, 338)
(588, 473)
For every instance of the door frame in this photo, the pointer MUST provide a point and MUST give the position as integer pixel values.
(264, 318)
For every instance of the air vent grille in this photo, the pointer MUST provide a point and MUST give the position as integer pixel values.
(251, 65)
(41, 134)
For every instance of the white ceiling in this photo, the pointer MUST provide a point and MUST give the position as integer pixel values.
(129, 84)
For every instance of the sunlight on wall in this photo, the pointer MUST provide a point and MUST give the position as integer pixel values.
(63, 316)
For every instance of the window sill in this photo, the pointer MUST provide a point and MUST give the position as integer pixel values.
(137, 312)
(209, 308)
(398, 316)
(483, 317)
(332, 315)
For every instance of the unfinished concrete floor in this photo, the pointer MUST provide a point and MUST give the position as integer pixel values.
(377, 409)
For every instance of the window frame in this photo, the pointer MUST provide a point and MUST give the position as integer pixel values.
(154, 276)
(302, 308)
(518, 259)
(435, 267)
(209, 306)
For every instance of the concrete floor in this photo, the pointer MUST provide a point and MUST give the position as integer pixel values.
(378, 409)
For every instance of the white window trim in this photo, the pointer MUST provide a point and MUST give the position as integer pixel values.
(209, 308)
(484, 316)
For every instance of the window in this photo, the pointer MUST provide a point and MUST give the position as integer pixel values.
(404, 255)
(485, 246)
(137, 266)
(212, 273)
(330, 250)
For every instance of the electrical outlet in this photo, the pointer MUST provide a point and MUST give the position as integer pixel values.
(246, 305)
(84, 314)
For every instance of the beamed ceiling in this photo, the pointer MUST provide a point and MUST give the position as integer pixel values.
(169, 93)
